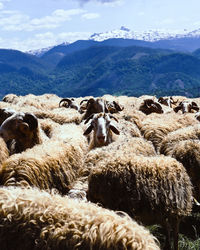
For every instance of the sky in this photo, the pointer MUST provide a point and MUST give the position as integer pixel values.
(33, 24)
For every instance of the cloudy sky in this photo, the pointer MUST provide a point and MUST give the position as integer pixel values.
(34, 24)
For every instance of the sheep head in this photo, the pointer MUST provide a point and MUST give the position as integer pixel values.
(150, 106)
(187, 107)
(20, 127)
(102, 126)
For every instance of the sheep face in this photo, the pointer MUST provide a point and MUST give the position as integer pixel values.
(168, 101)
(20, 127)
(186, 107)
(149, 106)
(69, 103)
(102, 126)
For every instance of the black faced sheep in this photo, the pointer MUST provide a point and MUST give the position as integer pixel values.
(150, 106)
(33, 219)
(23, 128)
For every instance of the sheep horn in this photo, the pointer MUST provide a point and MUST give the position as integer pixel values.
(65, 100)
(85, 100)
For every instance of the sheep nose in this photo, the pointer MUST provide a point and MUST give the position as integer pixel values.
(101, 137)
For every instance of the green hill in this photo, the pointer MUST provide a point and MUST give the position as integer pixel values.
(98, 70)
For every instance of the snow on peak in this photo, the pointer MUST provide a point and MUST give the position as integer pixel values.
(150, 35)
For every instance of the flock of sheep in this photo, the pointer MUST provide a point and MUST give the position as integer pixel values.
(91, 173)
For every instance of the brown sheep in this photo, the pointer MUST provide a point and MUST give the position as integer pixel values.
(155, 127)
(168, 142)
(150, 106)
(94, 106)
(153, 190)
(33, 219)
(69, 103)
(188, 153)
(24, 129)
(52, 165)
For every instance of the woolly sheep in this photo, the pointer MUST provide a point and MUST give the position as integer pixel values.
(94, 106)
(155, 127)
(24, 129)
(103, 129)
(4, 152)
(168, 142)
(188, 153)
(150, 189)
(52, 165)
(49, 221)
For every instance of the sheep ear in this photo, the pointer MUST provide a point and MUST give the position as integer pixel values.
(177, 108)
(88, 130)
(114, 129)
(194, 104)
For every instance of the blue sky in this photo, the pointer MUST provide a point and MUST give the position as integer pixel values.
(34, 24)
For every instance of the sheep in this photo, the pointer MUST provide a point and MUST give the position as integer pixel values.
(5, 113)
(4, 152)
(69, 103)
(67, 225)
(187, 106)
(188, 153)
(113, 107)
(168, 101)
(10, 98)
(23, 128)
(46, 101)
(103, 127)
(149, 106)
(150, 189)
(155, 127)
(52, 165)
(94, 106)
(168, 142)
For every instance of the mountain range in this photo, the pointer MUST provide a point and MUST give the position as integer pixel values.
(117, 63)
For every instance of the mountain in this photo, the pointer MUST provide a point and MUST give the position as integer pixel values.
(130, 71)
(18, 59)
(115, 66)
(187, 41)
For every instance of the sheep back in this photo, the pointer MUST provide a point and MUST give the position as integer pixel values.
(139, 185)
(29, 219)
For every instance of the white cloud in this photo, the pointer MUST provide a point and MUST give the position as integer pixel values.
(90, 16)
(16, 21)
(110, 3)
(42, 40)
(1, 6)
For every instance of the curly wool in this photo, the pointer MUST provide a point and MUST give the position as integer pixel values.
(49, 165)
(188, 153)
(168, 142)
(29, 219)
(4, 153)
(137, 184)
(155, 127)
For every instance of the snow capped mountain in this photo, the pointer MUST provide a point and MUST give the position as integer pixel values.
(150, 36)
(39, 52)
